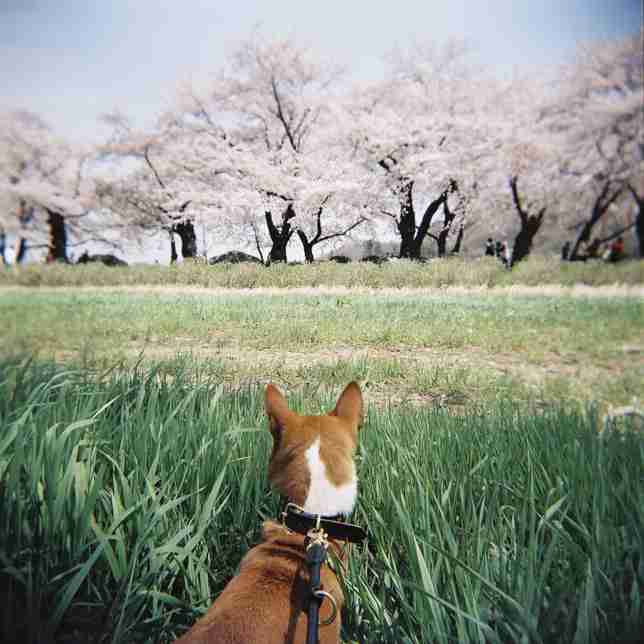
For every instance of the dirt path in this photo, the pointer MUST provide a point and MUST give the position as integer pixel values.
(545, 290)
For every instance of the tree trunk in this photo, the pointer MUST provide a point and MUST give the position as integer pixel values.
(411, 239)
(307, 246)
(186, 231)
(441, 240)
(523, 240)
(530, 225)
(20, 250)
(57, 251)
(639, 220)
(409, 248)
(173, 248)
(459, 240)
(25, 214)
(280, 236)
(441, 243)
(600, 208)
(448, 219)
(639, 230)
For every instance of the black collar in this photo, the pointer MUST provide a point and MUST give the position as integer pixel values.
(297, 520)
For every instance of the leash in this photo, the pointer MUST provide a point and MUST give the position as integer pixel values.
(316, 552)
(318, 529)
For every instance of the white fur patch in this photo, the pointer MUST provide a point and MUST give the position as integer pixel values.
(323, 496)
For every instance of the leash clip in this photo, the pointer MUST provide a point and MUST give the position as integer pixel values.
(317, 537)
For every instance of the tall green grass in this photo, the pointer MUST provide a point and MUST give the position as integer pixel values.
(455, 271)
(128, 499)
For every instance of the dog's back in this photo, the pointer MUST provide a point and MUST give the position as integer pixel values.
(312, 466)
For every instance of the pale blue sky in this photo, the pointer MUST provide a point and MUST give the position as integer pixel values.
(70, 60)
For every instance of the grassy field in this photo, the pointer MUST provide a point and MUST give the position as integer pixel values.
(486, 271)
(457, 349)
(127, 502)
(133, 446)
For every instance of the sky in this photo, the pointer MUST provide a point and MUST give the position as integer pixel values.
(71, 60)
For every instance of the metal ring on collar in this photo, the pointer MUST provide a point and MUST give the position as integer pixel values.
(321, 594)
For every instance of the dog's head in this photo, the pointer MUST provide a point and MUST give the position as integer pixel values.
(312, 459)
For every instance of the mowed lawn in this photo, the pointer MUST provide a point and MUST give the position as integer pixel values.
(451, 348)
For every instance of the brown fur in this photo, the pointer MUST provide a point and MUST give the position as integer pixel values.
(267, 601)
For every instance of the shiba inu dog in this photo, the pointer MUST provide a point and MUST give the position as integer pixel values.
(312, 467)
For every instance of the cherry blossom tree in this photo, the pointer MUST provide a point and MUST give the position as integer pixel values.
(521, 173)
(143, 189)
(598, 112)
(425, 132)
(274, 148)
(252, 153)
(44, 188)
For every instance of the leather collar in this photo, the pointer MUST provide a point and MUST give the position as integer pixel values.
(297, 520)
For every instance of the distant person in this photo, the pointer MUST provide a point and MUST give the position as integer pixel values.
(501, 252)
(616, 250)
(565, 251)
(3, 246)
(507, 255)
(489, 247)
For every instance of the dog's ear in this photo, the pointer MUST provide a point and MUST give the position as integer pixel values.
(349, 405)
(276, 409)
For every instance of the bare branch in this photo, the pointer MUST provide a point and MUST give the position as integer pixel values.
(257, 245)
(318, 216)
(619, 233)
(517, 199)
(146, 156)
(344, 232)
(280, 114)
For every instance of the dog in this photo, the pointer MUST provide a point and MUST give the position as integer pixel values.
(312, 467)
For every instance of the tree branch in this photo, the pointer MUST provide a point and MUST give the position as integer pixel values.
(280, 114)
(517, 199)
(146, 156)
(259, 248)
(270, 193)
(617, 234)
(272, 229)
(319, 219)
(638, 200)
(344, 232)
